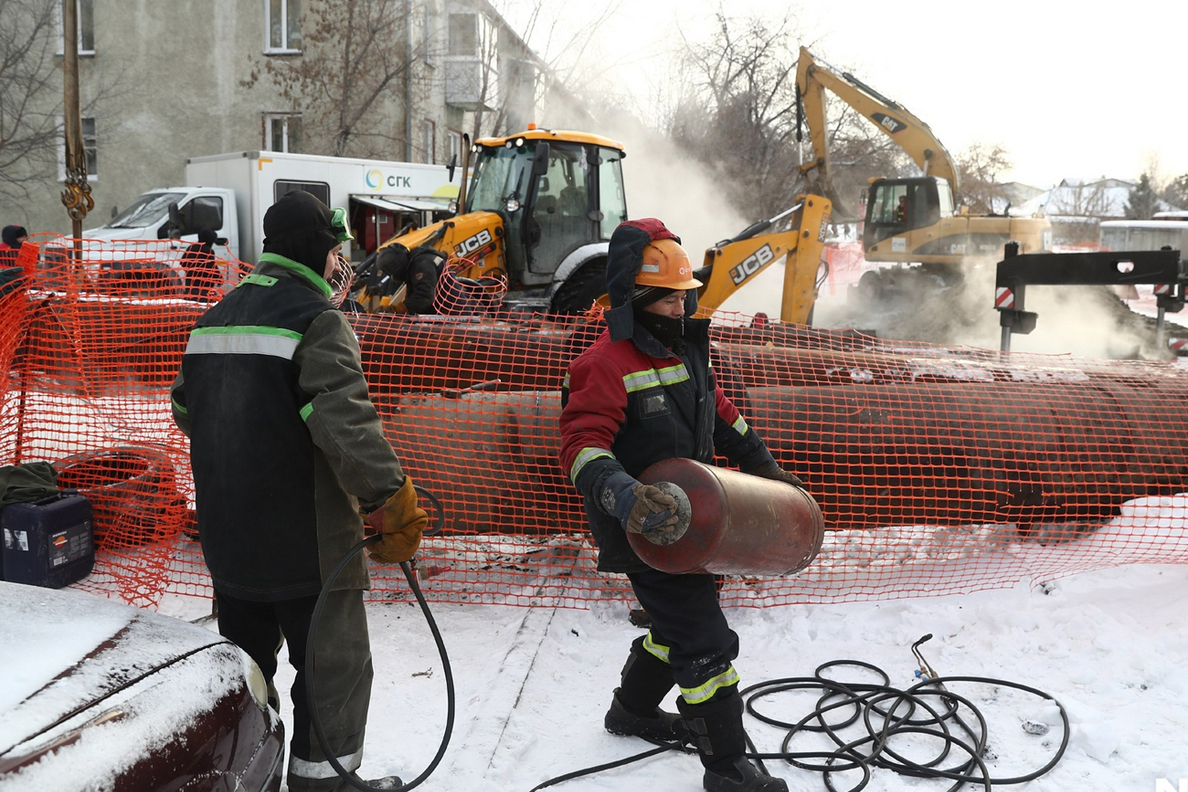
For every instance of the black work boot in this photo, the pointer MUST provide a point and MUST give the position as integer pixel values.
(659, 725)
(635, 708)
(716, 730)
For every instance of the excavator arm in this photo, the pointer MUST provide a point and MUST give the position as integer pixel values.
(797, 235)
(814, 76)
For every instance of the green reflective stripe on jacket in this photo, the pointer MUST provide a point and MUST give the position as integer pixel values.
(244, 340)
(704, 692)
(740, 426)
(651, 378)
(257, 279)
(659, 651)
(179, 408)
(670, 375)
(299, 269)
(584, 457)
(640, 380)
(307, 411)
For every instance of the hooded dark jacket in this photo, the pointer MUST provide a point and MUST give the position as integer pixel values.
(628, 402)
(284, 441)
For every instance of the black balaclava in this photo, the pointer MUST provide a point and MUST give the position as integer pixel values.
(665, 329)
(300, 227)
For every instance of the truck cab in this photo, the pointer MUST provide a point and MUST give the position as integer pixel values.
(150, 216)
(146, 250)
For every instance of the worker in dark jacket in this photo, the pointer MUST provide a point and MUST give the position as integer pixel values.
(415, 271)
(201, 267)
(285, 447)
(644, 392)
(11, 239)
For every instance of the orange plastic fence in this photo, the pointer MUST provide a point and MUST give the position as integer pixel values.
(938, 469)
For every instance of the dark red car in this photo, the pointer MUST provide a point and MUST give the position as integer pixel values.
(97, 695)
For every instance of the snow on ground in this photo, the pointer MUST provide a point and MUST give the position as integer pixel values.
(533, 683)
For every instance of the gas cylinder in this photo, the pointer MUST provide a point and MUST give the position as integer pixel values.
(740, 525)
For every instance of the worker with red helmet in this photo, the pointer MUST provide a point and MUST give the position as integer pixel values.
(645, 391)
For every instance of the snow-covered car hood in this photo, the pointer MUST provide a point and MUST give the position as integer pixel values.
(53, 662)
(94, 689)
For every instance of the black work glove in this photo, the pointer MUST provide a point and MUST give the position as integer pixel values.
(773, 471)
(644, 509)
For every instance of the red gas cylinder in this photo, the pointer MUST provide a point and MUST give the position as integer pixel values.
(741, 525)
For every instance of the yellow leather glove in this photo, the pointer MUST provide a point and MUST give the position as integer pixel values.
(400, 521)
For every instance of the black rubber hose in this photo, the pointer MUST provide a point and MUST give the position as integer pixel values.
(927, 708)
(310, 696)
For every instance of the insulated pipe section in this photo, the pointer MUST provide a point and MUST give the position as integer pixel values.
(943, 454)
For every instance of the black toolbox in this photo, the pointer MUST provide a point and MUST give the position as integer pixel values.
(49, 542)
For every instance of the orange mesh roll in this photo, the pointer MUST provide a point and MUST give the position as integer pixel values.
(937, 469)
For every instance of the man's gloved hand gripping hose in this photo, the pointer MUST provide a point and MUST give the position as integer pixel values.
(310, 695)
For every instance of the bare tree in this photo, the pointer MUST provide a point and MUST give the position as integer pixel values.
(356, 56)
(560, 69)
(30, 95)
(979, 167)
(738, 115)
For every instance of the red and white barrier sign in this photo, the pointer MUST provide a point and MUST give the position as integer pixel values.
(1004, 298)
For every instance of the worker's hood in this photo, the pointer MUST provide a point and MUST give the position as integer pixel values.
(624, 257)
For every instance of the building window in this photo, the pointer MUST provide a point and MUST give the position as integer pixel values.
(464, 34)
(282, 132)
(282, 20)
(85, 14)
(319, 190)
(90, 148)
(429, 129)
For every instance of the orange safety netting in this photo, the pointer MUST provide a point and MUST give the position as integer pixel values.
(938, 469)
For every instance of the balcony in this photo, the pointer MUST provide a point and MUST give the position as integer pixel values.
(464, 77)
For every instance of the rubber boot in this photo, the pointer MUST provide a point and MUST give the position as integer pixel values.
(716, 730)
(635, 707)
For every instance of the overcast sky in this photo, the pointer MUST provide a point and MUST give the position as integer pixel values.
(1069, 89)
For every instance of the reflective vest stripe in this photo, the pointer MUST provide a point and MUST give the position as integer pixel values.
(740, 426)
(673, 374)
(641, 380)
(585, 456)
(246, 340)
(650, 378)
(704, 692)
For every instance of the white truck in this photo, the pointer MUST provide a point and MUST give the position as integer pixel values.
(229, 194)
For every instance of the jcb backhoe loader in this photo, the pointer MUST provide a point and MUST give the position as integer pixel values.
(539, 212)
(909, 220)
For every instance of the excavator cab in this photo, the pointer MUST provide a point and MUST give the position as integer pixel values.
(896, 206)
(559, 197)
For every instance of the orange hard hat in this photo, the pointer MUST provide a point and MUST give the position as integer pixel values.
(666, 264)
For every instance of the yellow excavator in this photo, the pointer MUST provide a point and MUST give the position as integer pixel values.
(538, 212)
(909, 220)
